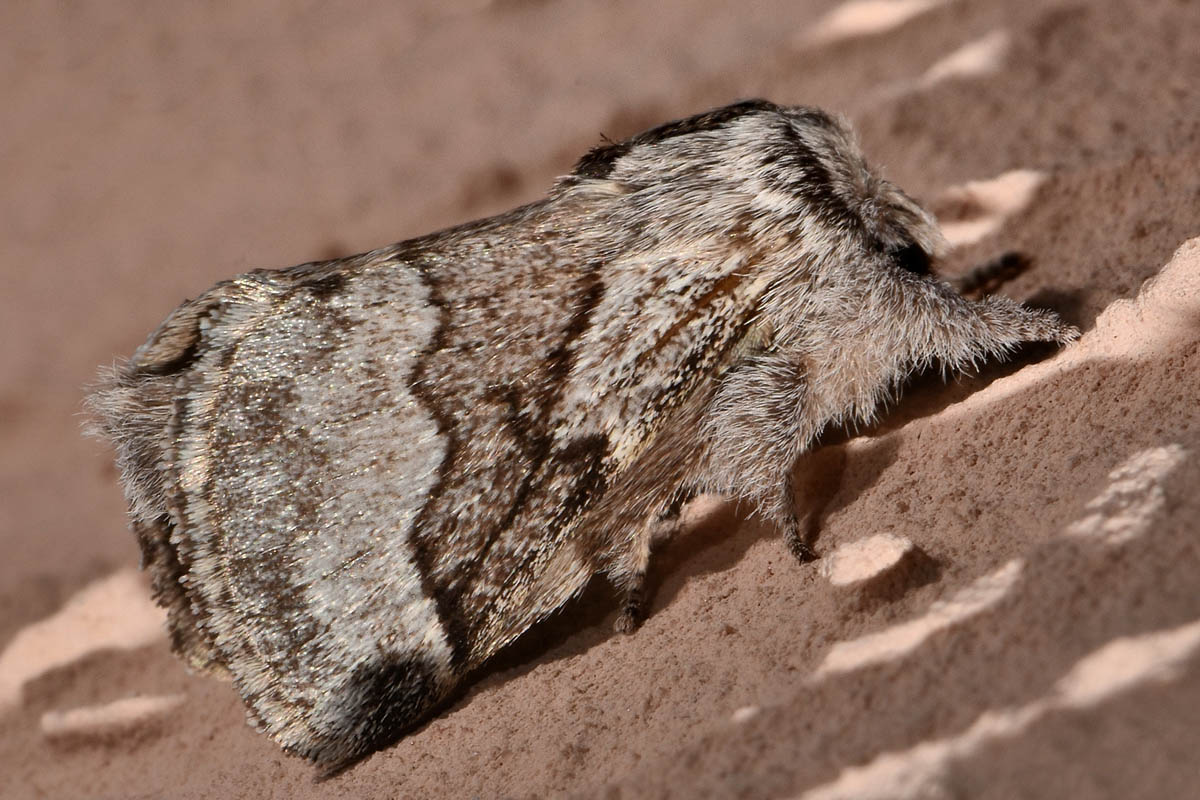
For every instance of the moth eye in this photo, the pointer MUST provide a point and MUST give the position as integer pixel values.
(912, 258)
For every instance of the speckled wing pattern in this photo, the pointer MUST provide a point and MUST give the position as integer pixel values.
(375, 463)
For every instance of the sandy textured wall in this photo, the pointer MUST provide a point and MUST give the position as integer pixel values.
(1043, 641)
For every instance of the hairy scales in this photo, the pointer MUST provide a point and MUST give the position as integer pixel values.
(354, 481)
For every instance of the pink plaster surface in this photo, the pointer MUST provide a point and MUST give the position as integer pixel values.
(1048, 649)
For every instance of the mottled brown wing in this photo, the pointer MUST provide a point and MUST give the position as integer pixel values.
(369, 470)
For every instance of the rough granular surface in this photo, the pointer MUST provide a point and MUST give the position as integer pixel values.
(1046, 644)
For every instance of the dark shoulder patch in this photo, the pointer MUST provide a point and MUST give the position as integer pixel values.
(326, 286)
(322, 279)
(707, 121)
(599, 161)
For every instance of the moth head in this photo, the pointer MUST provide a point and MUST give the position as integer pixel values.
(853, 195)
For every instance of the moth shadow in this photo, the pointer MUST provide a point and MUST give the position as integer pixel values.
(714, 536)
(580, 624)
(833, 474)
(1070, 304)
(929, 392)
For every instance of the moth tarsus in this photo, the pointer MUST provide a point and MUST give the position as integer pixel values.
(633, 609)
(799, 545)
(354, 481)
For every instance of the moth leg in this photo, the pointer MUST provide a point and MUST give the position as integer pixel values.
(798, 542)
(628, 574)
(762, 418)
(668, 518)
(629, 570)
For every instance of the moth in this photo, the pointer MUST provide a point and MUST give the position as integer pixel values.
(354, 481)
